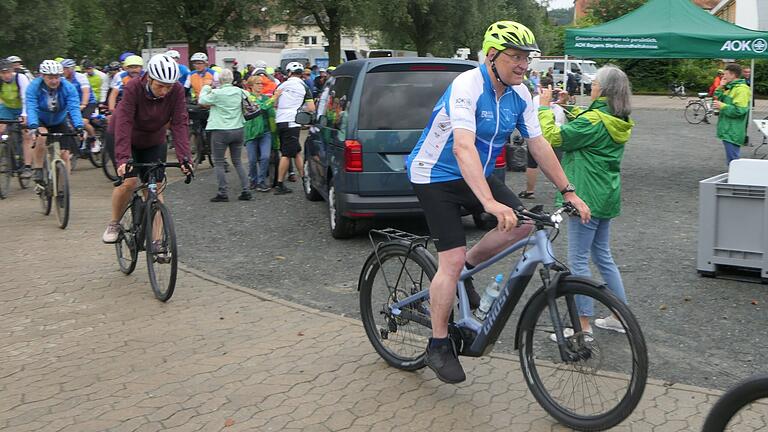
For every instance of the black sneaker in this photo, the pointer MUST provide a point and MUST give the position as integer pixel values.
(474, 297)
(220, 198)
(244, 196)
(281, 190)
(444, 361)
(262, 187)
(38, 175)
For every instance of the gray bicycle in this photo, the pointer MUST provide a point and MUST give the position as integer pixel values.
(586, 382)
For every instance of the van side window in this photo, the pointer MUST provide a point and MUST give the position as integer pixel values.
(575, 68)
(338, 101)
(559, 66)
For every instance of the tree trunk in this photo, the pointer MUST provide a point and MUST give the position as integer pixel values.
(334, 46)
(197, 43)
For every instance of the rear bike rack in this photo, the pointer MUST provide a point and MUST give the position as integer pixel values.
(381, 237)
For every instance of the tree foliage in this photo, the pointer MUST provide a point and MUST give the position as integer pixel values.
(34, 30)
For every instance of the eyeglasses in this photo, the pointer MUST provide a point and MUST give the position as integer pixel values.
(518, 59)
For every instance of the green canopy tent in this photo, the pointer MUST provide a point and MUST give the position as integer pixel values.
(668, 29)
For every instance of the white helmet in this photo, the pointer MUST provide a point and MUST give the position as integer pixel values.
(173, 54)
(260, 64)
(51, 67)
(163, 68)
(198, 56)
(14, 59)
(294, 67)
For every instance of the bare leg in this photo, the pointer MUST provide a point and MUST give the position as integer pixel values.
(120, 197)
(530, 179)
(299, 161)
(495, 241)
(442, 290)
(282, 169)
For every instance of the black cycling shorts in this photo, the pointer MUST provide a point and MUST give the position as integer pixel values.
(66, 142)
(88, 111)
(149, 155)
(443, 202)
(289, 140)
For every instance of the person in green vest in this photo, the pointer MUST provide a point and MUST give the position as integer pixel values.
(593, 147)
(260, 133)
(732, 99)
(98, 81)
(13, 90)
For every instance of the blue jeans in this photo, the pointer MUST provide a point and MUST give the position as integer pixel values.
(732, 152)
(258, 157)
(594, 238)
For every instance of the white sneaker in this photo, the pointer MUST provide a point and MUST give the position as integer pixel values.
(610, 323)
(568, 333)
(111, 233)
(96, 147)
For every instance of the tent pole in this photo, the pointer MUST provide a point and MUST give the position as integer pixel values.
(565, 73)
(752, 92)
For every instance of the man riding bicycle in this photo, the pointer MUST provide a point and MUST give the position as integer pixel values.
(148, 105)
(133, 67)
(202, 75)
(50, 100)
(87, 97)
(451, 167)
(13, 87)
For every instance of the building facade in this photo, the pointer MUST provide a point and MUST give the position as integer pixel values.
(751, 14)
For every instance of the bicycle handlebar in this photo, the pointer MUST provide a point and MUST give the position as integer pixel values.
(10, 121)
(59, 134)
(553, 219)
(131, 165)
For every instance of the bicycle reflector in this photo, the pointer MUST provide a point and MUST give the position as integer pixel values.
(353, 156)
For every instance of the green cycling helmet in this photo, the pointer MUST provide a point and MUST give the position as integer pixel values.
(509, 34)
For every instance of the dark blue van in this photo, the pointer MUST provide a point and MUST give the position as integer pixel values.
(369, 116)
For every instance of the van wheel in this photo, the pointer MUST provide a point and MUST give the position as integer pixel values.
(310, 192)
(341, 227)
(484, 221)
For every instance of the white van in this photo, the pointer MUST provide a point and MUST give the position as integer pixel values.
(586, 68)
(314, 56)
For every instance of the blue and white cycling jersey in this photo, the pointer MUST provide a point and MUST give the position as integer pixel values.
(470, 103)
(184, 76)
(80, 81)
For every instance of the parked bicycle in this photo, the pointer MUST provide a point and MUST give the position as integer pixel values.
(677, 89)
(11, 157)
(146, 225)
(699, 110)
(585, 382)
(54, 188)
(729, 412)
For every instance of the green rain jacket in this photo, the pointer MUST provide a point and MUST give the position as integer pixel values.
(734, 111)
(258, 126)
(593, 146)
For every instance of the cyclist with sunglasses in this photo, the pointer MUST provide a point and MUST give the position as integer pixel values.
(451, 167)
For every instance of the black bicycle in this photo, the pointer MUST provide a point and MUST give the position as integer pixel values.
(729, 412)
(585, 381)
(11, 157)
(108, 160)
(146, 225)
(54, 187)
(199, 141)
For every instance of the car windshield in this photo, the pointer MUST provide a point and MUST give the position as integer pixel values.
(402, 99)
(588, 68)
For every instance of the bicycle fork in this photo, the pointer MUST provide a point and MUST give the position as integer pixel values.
(567, 353)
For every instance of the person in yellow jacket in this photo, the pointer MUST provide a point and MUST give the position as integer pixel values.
(732, 99)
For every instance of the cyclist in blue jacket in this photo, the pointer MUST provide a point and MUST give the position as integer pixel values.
(50, 100)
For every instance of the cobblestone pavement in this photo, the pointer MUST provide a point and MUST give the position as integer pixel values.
(85, 348)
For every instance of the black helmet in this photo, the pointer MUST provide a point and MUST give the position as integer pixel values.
(5, 64)
(87, 64)
(115, 65)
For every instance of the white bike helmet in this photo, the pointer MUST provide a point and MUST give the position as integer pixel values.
(163, 68)
(14, 59)
(173, 54)
(198, 56)
(68, 63)
(294, 67)
(51, 67)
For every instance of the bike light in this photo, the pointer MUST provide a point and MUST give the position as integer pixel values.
(353, 156)
(4, 137)
(557, 218)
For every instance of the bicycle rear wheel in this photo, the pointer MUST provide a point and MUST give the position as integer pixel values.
(392, 277)
(108, 164)
(695, 112)
(127, 246)
(162, 258)
(732, 412)
(95, 156)
(62, 194)
(6, 170)
(604, 385)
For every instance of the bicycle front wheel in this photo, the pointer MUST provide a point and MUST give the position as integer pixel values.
(45, 191)
(162, 255)
(62, 194)
(603, 384)
(731, 412)
(6, 170)
(695, 112)
(396, 274)
(127, 246)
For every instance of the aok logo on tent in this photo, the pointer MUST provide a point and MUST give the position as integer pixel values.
(757, 45)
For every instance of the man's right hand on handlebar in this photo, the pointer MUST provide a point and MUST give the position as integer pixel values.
(506, 217)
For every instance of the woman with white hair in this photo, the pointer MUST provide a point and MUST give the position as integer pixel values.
(593, 147)
(225, 123)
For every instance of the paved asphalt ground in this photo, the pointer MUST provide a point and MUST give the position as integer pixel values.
(705, 332)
